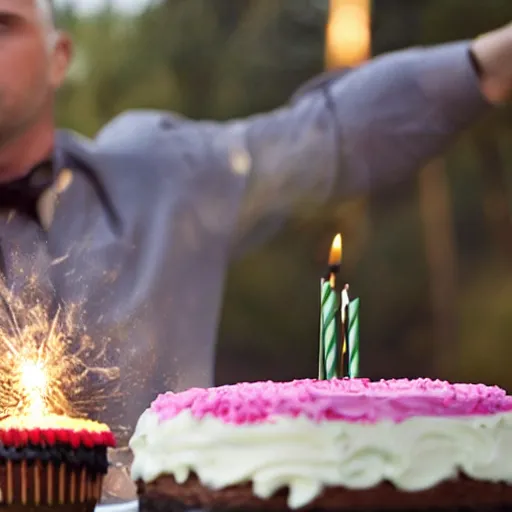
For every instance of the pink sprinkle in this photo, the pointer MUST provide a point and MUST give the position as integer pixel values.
(354, 400)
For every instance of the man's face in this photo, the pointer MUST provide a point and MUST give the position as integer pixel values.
(33, 64)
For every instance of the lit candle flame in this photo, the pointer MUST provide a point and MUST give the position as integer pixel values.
(348, 35)
(335, 259)
(336, 252)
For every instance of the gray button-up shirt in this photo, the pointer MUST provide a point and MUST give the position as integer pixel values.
(141, 231)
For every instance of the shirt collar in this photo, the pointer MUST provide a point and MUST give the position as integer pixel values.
(36, 194)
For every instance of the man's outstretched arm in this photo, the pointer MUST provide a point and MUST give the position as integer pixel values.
(369, 127)
(341, 135)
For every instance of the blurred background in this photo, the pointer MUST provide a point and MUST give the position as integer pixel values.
(431, 259)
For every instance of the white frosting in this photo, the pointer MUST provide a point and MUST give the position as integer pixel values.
(306, 456)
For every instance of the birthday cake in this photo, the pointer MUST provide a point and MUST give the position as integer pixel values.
(340, 444)
(52, 462)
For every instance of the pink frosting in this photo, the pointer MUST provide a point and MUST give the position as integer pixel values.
(354, 400)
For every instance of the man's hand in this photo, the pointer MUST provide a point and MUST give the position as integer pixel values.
(493, 53)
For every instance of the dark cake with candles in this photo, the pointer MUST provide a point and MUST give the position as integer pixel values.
(52, 462)
(340, 444)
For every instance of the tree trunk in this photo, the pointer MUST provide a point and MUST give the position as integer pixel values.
(496, 206)
(435, 204)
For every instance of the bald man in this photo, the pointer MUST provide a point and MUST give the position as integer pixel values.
(139, 225)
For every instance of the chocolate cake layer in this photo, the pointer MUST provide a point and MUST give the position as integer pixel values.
(39, 483)
(80, 507)
(164, 495)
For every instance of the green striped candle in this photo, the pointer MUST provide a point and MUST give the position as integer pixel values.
(330, 330)
(353, 338)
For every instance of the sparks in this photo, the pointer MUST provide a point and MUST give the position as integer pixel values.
(46, 363)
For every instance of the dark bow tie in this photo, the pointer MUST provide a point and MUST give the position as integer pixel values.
(23, 195)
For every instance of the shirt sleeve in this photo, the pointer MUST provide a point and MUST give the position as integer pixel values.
(351, 132)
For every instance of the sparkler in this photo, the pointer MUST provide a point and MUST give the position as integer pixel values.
(35, 384)
(45, 362)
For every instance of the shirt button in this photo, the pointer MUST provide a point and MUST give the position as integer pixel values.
(240, 162)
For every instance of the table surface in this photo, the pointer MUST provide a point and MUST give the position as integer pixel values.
(129, 506)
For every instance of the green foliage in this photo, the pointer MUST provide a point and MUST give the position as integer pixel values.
(223, 58)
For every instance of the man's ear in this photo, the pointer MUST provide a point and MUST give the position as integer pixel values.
(62, 53)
